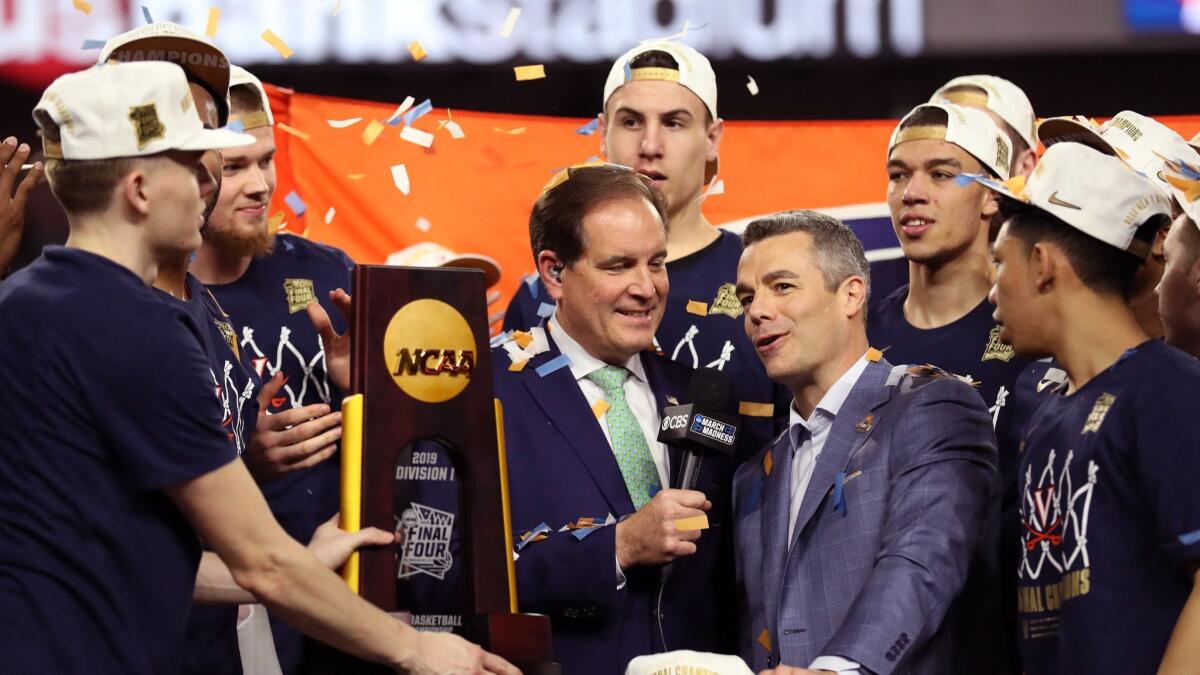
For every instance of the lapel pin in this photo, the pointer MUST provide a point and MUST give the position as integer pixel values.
(864, 425)
(672, 400)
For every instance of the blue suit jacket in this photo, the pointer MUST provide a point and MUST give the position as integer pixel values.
(886, 530)
(560, 468)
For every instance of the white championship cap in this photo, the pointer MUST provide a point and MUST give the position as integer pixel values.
(166, 41)
(695, 72)
(430, 254)
(1141, 141)
(239, 75)
(128, 110)
(685, 661)
(1095, 193)
(968, 128)
(999, 95)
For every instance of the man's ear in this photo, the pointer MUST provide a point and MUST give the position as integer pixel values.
(1025, 163)
(1160, 240)
(991, 206)
(550, 269)
(715, 132)
(1045, 262)
(602, 132)
(854, 302)
(135, 190)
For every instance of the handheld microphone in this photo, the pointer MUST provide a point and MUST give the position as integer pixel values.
(701, 426)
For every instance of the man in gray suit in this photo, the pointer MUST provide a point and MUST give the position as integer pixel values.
(855, 528)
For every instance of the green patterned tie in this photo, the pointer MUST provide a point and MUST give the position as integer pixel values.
(628, 441)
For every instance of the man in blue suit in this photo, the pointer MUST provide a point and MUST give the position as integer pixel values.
(854, 529)
(603, 547)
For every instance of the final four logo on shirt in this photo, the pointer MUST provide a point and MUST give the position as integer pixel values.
(426, 547)
(726, 302)
(997, 348)
(1096, 417)
(300, 294)
(230, 336)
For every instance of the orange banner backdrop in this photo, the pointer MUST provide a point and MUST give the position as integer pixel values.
(474, 194)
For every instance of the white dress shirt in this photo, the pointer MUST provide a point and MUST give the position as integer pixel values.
(807, 439)
(638, 394)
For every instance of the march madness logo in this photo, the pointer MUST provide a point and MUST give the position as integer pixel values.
(426, 546)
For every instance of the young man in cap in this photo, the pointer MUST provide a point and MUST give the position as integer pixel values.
(942, 315)
(265, 281)
(1008, 107)
(120, 449)
(1109, 550)
(660, 117)
(1179, 289)
(582, 410)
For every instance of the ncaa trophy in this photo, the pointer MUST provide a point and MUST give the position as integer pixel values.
(423, 455)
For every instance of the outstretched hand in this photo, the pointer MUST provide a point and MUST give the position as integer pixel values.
(337, 347)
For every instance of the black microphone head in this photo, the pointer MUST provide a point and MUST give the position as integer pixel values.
(709, 388)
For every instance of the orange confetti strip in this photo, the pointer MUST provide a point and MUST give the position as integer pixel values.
(600, 408)
(302, 135)
(753, 409)
(356, 176)
(698, 308)
(372, 132)
(511, 132)
(277, 43)
(692, 524)
(522, 338)
(534, 72)
(214, 18)
(418, 52)
(85, 7)
(518, 366)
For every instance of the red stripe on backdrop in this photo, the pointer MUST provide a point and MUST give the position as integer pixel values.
(476, 192)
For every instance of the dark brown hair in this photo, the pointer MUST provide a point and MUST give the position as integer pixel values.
(81, 186)
(556, 223)
(245, 98)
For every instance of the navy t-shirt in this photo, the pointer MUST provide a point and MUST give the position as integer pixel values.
(971, 346)
(212, 644)
(107, 400)
(1111, 516)
(267, 303)
(703, 326)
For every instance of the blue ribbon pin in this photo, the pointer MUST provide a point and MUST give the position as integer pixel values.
(839, 500)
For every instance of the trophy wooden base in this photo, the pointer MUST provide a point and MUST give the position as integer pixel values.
(524, 640)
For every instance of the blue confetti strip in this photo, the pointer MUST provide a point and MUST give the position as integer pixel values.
(532, 282)
(560, 361)
(295, 203)
(1187, 171)
(583, 532)
(545, 310)
(964, 179)
(839, 500)
(1189, 538)
(589, 128)
(653, 490)
(237, 126)
(418, 112)
(500, 339)
(752, 499)
(92, 44)
(628, 72)
(526, 540)
(146, 13)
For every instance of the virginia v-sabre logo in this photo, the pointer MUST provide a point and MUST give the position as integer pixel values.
(429, 350)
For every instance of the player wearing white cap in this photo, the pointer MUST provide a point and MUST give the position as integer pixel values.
(660, 117)
(1110, 509)
(1008, 107)
(1179, 289)
(942, 315)
(120, 451)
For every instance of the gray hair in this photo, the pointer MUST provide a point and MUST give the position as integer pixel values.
(836, 249)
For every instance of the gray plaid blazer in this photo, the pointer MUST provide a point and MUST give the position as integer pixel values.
(887, 528)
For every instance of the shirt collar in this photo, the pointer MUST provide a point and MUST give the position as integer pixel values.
(831, 402)
(583, 363)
